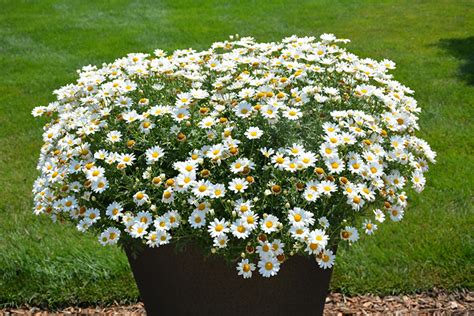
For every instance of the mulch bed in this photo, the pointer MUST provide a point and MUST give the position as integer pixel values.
(430, 303)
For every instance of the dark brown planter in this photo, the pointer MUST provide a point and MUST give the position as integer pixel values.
(187, 283)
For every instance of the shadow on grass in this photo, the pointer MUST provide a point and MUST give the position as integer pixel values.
(463, 49)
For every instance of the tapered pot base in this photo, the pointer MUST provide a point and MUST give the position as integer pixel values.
(187, 283)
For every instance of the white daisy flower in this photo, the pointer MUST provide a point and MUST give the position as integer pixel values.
(307, 159)
(140, 198)
(110, 236)
(168, 196)
(277, 247)
(238, 185)
(243, 109)
(350, 234)
(250, 219)
(220, 241)
(317, 240)
(297, 217)
(126, 159)
(197, 219)
(180, 114)
(310, 195)
(138, 230)
(239, 229)
(264, 249)
(396, 213)
(355, 201)
(245, 268)
(202, 188)
(100, 185)
(114, 210)
(207, 122)
(270, 224)
(92, 215)
(253, 133)
(242, 206)
(186, 180)
(295, 150)
(326, 187)
(418, 180)
(218, 227)
(268, 266)
(163, 237)
(114, 136)
(379, 215)
(323, 222)
(152, 239)
(188, 166)
(335, 164)
(267, 152)
(215, 152)
(299, 233)
(292, 114)
(153, 154)
(326, 259)
(369, 227)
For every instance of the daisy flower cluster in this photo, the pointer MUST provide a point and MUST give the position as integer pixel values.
(261, 151)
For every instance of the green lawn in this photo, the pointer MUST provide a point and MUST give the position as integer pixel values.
(42, 43)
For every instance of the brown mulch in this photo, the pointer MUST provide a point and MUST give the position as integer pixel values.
(430, 303)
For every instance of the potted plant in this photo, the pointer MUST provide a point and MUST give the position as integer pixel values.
(230, 175)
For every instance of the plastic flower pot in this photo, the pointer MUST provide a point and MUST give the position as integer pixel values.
(187, 283)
